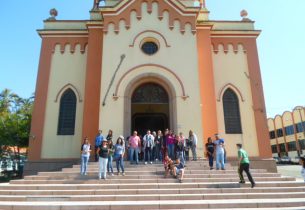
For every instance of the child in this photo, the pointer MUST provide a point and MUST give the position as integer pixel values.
(168, 165)
(179, 170)
(302, 163)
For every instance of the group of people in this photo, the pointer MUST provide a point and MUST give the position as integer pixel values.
(165, 147)
(153, 146)
(105, 152)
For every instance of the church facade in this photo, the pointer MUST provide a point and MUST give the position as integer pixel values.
(147, 64)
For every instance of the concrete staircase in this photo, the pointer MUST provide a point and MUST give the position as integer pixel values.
(144, 187)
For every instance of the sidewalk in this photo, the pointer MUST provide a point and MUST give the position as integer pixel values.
(290, 170)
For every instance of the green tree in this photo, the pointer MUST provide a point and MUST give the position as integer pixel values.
(15, 120)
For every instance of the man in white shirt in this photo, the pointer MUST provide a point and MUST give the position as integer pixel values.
(148, 141)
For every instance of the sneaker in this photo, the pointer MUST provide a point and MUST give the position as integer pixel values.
(211, 168)
(99, 177)
(156, 159)
(180, 180)
(223, 169)
(253, 185)
(123, 174)
(242, 182)
(145, 163)
(118, 173)
(105, 178)
(85, 174)
(150, 162)
(112, 174)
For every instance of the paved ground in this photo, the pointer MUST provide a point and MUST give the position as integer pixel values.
(290, 170)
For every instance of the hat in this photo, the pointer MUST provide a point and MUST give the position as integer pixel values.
(121, 137)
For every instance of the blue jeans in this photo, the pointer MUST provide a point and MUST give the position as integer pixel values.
(171, 148)
(84, 164)
(220, 160)
(157, 151)
(149, 154)
(132, 151)
(120, 164)
(109, 164)
(180, 156)
(211, 159)
(129, 154)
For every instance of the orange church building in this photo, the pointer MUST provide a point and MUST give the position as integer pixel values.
(147, 64)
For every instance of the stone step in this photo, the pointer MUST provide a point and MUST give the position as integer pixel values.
(152, 197)
(160, 204)
(114, 179)
(154, 191)
(104, 185)
(149, 176)
(155, 171)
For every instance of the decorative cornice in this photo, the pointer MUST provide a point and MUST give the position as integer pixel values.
(176, 13)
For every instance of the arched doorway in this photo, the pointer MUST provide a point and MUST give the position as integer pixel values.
(149, 108)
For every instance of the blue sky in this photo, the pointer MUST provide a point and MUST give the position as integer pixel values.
(281, 44)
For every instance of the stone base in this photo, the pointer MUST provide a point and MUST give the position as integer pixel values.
(33, 167)
(257, 163)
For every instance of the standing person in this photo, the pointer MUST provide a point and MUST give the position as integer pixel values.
(180, 148)
(170, 144)
(148, 141)
(302, 162)
(210, 147)
(193, 139)
(244, 163)
(98, 140)
(158, 145)
(119, 155)
(109, 135)
(103, 152)
(85, 151)
(154, 148)
(110, 156)
(164, 148)
(187, 149)
(220, 152)
(134, 143)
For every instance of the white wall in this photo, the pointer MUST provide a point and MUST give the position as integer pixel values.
(180, 57)
(231, 68)
(65, 68)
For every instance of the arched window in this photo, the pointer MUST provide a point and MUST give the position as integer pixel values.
(67, 112)
(231, 112)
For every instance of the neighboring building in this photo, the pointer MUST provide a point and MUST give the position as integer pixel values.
(147, 64)
(287, 133)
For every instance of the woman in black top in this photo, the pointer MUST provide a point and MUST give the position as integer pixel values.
(103, 152)
(109, 135)
(158, 145)
(210, 151)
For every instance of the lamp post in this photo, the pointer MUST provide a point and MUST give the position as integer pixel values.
(302, 126)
